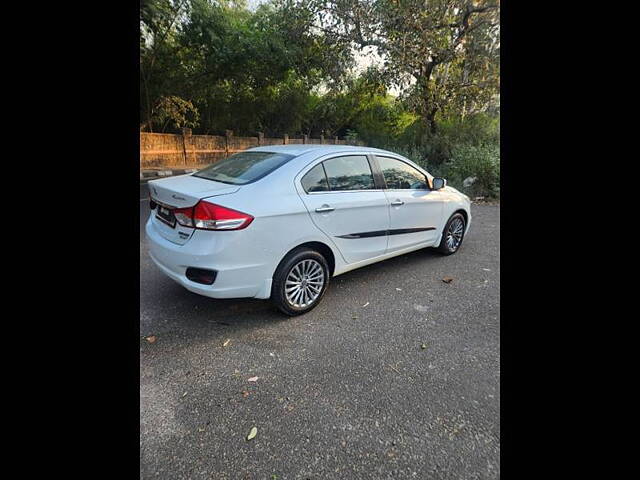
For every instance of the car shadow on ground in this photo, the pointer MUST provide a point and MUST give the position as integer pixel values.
(177, 309)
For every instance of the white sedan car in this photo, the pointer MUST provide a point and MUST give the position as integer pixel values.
(279, 222)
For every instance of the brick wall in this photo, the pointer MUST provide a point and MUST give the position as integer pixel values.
(160, 150)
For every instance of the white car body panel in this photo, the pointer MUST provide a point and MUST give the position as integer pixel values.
(285, 217)
(356, 211)
(419, 209)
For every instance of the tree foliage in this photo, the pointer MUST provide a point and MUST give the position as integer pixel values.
(263, 69)
(242, 70)
(176, 112)
(291, 66)
(442, 54)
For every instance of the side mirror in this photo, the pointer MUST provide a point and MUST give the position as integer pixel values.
(439, 183)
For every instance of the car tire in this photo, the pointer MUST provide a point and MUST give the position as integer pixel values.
(300, 281)
(452, 235)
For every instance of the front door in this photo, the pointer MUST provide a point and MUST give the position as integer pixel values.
(415, 210)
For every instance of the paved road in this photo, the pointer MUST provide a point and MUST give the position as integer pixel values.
(345, 391)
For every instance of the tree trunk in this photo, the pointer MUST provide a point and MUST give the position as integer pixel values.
(429, 116)
(431, 123)
(428, 109)
(148, 101)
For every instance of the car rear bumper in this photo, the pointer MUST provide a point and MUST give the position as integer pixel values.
(238, 275)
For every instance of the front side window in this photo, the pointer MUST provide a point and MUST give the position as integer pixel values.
(349, 173)
(315, 180)
(244, 167)
(401, 176)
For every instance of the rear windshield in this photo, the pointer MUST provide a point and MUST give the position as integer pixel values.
(244, 167)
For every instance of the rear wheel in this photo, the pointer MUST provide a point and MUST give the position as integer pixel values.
(452, 235)
(300, 281)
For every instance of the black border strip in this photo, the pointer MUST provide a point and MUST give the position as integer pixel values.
(378, 177)
(381, 233)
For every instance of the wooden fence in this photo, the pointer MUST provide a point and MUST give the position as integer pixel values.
(159, 150)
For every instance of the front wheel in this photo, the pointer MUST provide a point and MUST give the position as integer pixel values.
(452, 235)
(300, 282)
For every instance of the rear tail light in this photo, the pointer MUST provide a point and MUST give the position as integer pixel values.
(209, 216)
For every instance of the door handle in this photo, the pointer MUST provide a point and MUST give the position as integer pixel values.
(325, 208)
(397, 203)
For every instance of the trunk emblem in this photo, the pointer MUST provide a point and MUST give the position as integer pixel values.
(177, 197)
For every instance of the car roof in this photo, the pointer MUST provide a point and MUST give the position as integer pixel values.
(300, 149)
(304, 152)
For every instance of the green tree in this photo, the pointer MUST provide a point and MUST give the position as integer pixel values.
(160, 68)
(242, 70)
(443, 54)
(175, 111)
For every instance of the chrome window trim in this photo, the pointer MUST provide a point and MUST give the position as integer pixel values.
(346, 191)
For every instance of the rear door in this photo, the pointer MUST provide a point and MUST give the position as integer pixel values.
(347, 205)
(415, 210)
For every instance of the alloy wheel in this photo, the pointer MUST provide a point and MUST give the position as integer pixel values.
(454, 233)
(304, 283)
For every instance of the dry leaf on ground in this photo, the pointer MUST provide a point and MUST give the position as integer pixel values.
(252, 433)
(253, 379)
(151, 339)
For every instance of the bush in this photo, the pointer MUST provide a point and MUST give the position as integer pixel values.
(477, 129)
(479, 162)
(458, 150)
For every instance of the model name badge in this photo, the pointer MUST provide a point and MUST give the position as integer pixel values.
(177, 197)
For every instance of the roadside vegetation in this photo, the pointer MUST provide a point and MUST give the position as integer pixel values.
(296, 67)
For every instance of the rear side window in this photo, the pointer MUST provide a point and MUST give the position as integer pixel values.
(315, 180)
(349, 173)
(401, 176)
(244, 167)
